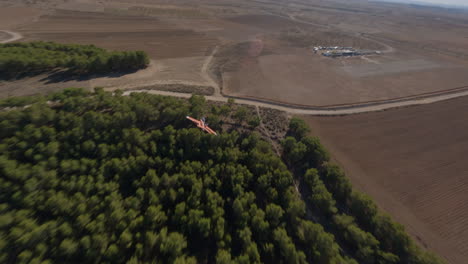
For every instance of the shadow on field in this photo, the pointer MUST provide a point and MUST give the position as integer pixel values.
(66, 76)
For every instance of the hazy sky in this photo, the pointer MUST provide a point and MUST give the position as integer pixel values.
(447, 2)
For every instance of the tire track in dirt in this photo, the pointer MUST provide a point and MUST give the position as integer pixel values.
(205, 74)
(13, 36)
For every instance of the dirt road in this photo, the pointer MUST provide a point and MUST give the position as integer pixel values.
(318, 111)
(13, 36)
(388, 48)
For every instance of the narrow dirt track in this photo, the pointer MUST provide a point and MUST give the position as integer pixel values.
(206, 75)
(388, 48)
(13, 36)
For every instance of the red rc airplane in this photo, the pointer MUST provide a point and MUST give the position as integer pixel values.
(202, 124)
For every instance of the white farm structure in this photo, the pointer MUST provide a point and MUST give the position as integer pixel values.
(337, 51)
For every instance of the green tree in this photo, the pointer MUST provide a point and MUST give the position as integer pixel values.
(68, 247)
(98, 177)
(298, 128)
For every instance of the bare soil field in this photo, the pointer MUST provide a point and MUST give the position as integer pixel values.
(267, 22)
(378, 68)
(11, 17)
(178, 54)
(179, 35)
(161, 40)
(415, 65)
(314, 80)
(338, 81)
(411, 161)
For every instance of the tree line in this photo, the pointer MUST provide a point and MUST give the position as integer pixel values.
(102, 178)
(370, 235)
(19, 59)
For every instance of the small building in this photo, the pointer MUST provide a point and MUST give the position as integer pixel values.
(337, 51)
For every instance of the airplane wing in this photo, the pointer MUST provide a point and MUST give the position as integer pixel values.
(201, 125)
(198, 122)
(209, 130)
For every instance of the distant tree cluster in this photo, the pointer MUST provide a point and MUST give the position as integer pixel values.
(102, 178)
(17, 59)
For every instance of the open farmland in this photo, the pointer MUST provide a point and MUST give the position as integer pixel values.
(409, 160)
(412, 162)
(13, 17)
(402, 69)
(177, 54)
(180, 35)
(159, 39)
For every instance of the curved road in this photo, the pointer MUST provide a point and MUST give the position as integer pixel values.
(341, 110)
(13, 36)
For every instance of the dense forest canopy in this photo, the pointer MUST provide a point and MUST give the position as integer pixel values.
(102, 178)
(17, 59)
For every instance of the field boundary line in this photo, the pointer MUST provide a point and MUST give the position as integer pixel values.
(426, 95)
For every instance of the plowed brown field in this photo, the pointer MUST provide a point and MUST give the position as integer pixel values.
(177, 54)
(412, 162)
(14, 16)
(433, 58)
(268, 22)
(177, 36)
(159, 39)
